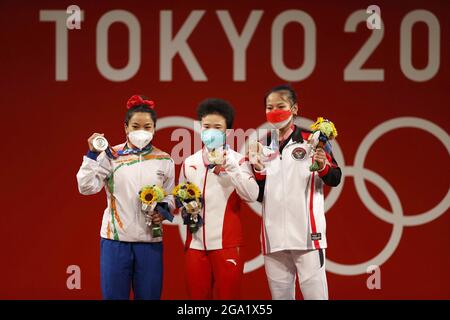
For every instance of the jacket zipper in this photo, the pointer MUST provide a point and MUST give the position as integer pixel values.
(282, 186)
(140, 182)
(204, 210)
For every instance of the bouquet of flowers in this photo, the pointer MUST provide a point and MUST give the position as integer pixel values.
(323, 131)
(188, 197)
(150, 197)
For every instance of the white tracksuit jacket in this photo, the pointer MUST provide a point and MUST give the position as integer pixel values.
(122, 178)
(223, 192)
(292, 198)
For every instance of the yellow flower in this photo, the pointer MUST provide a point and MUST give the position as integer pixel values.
(315, 125)
(150, 194)
(176, 190)
(193, 190)
(186, 191)
(326, 127)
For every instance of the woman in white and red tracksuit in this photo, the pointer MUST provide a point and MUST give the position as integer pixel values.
(214, 265)
(130, 258)
(293, 229)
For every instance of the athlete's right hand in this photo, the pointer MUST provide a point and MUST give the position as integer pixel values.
(91, 138)
(254, 155)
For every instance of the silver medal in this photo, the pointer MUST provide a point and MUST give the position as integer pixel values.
(100, 143)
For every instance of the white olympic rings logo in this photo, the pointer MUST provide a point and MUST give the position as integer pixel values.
(359, 173)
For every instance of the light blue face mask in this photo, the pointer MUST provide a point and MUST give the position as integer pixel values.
(213, 138)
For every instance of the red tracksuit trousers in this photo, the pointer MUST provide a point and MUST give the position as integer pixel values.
(214, 274)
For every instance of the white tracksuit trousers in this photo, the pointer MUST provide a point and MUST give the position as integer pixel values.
(282, 267)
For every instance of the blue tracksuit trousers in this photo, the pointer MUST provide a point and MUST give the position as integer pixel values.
(131, 265)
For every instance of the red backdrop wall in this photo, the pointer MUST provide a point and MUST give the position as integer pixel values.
(46, 225)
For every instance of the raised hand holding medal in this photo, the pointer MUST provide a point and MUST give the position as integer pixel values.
(97, 142)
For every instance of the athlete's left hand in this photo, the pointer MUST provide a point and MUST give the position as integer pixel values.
(157, 218)
(321, 157)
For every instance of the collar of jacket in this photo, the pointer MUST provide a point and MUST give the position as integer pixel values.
(296, 136)
(127, 150)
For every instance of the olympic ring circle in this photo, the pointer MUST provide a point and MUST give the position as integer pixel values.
(372, 136)
(396, 234)
(397, 219)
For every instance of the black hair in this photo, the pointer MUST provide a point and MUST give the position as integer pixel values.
(141, 108)
(285, 89)
(216, 106)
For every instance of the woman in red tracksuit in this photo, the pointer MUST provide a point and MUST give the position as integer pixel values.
(214, 265)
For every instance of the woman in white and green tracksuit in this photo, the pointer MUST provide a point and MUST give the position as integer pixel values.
(130, 258)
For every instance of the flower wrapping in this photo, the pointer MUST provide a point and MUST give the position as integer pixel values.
(151, 198)
(189, 198)
(323, 131)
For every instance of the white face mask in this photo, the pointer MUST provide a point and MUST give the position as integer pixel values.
(140, 138)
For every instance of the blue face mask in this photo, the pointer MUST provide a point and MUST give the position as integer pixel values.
(213, 138)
